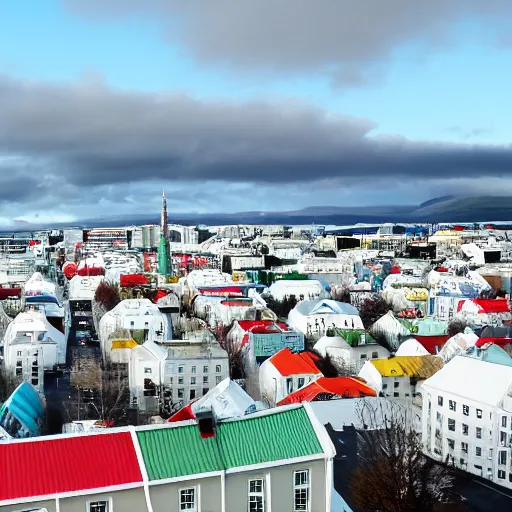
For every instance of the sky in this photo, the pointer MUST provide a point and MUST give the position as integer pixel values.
(237, 105)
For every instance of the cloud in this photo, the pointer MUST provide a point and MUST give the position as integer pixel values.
(86, 134)
(339, 37)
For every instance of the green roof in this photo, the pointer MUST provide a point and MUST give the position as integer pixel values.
(180, 451)
(353, 336)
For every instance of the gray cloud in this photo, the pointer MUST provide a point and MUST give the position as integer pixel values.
(339, 37)
(88, 135)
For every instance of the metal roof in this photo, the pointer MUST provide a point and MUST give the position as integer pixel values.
(421, 367)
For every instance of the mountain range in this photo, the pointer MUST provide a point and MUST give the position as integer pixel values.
(439, 210)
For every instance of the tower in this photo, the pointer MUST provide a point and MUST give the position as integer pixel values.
(164, 253)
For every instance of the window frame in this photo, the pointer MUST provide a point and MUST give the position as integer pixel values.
(197, 498)
(108, 501)
(300, 487)
(262, 493)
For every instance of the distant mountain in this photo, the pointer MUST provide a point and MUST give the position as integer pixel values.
(442, 209)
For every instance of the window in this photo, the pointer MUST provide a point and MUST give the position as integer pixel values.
(465, 429)
(440, 401)
(451, 444)
(451, 424)
(464, 447)
(19, 371)
(205, 379)
(503, 438)
(452, 405)
(501, 474)
(384, 386)
(205, 390)
(479, 413)
(301, 491)
(502, 458)
(192, 381)
(478, 433)
(205, 369)
(396, 384)
(188, 499)
(180, 380)
(192, 394)
(218, 368)
(180, 369)
(147, 370)
(300, 382)
(396, 394)
(18, 353)
(375, 355)
(192, 369)
(218, 379)
(504, 421)
(256, 496)
(465, 410)
(478, 451)
(35, 382)
(98, 506)
(180, 393)
(289, 385)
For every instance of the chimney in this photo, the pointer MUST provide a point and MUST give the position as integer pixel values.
(206, 422)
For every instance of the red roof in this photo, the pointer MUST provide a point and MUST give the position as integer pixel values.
(347, 387)
(431, 342)
(127, 280)
(488, 305)
(183, 414)
(497, 341)
(288, 363)
(5, 293)
(262, 326)
(67, 464)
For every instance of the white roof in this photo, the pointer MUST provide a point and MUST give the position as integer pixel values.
(326, 342)
(475, 379)
(411, 347)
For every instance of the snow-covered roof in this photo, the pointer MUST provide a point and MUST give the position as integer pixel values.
(477, 380)
(325, 307)
(83, 287)
(411, 347)
(136, 307)
(326, 342)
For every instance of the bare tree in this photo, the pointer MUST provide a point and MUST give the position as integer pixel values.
(102, 388)
(392, 474)
(456, 326)
(372, 309)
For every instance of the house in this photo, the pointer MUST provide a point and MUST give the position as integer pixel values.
(172, 375)
(314, 317)
(286, 372)
(227, 400)
(457, 345)
(400, 376)
(481, 312)
(281, 459)
(349, 349)
(467, 417)
(392, 330)
(329, 388)
(260, 339)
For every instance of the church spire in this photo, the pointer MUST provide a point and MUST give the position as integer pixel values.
(163, 220)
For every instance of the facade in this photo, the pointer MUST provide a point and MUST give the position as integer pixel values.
(467, 417)
(272, 460)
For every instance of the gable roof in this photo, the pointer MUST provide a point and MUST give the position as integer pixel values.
(288, 363)
(325, 307)
(31, 468)
(421, 367)
(179, 450)
(487, 305)
(347, 387)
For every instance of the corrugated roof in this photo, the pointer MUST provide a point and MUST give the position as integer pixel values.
(67, 464)
(421, 367)
(288, 363)
(180, 450)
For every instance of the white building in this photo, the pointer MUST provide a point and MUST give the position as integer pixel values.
(306, 289)
(314, 317)
(467, 417)
(83, 287)
(178, 372)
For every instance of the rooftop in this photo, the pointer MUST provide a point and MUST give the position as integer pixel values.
(421, 367)
(288, 363)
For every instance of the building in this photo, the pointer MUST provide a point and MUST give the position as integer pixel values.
(467, 417)
(164, 256)
(280, 459)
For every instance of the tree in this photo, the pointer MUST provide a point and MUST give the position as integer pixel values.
(281, 307)
(106, 298)
(456, 326)
(372, 309)
(392, 474)
(102, 389)
(8, 383)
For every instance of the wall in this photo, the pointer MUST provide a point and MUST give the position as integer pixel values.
(165, 498)
(281, 487)
(49, 505)
(128, 500)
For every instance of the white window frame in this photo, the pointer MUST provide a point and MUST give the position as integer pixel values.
(262, 493)
(108, 501)
(300, 487)
(197, 500)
